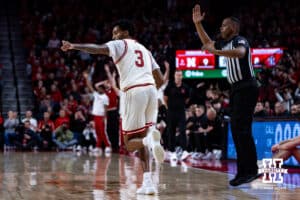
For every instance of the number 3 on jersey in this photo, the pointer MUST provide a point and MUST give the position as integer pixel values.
(139, 62)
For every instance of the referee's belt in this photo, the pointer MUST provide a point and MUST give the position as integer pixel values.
(244, 84)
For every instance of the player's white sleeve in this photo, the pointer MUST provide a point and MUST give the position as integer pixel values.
(116, 49)
(153, 62)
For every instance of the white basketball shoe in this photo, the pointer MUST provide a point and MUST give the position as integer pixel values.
(152, 140)
(147, 186)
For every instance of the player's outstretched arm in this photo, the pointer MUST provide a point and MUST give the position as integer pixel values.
(197, 19)
(89, 48)
(167, 72)
(158, 77)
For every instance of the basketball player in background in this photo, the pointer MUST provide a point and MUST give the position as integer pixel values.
(139, 73)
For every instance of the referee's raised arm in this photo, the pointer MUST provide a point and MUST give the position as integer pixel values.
(209, 44)
(197, 19)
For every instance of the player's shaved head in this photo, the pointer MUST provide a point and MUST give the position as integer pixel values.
(125, 25)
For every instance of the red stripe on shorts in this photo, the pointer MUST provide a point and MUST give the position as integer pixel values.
(139, 130)
(138, 85)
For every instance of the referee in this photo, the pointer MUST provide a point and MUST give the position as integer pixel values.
(244, 91)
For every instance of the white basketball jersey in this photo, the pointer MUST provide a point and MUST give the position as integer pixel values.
(134, 62)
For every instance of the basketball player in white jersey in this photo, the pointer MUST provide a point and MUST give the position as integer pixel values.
(139, 74)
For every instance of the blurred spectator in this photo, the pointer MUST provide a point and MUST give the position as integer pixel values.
(280, 110)
(286, 100)
(268, 109)
(295, 111)
(62, 118)
(63, 137)
(33, 121)
(54, 42)
(297, 92)
(205, 135)
(45, 130)
(46, 121)
(10, 125)
(46, 135)
(72, 104)
(77, 125)
(55, 96)
(25, 138)
(259, 110)
(215, 136)
(89, 137)
(195, 123)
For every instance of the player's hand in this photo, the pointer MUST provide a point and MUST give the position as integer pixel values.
(66, 46)
(197, 15)
(167, 64)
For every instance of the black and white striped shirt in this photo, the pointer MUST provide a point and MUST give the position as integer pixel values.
(238, 69)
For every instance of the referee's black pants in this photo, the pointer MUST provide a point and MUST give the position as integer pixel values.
(243, 101)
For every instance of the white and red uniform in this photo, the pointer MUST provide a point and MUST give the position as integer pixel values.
(98, 111)
(139, 99)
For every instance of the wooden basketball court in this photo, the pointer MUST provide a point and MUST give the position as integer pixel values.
(66, 175)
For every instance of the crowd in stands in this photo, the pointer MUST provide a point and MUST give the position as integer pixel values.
(62, 99)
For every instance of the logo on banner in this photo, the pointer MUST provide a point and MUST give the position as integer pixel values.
(272, 170)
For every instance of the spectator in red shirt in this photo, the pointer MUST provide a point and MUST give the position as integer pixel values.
(63, 118)
(37, 90)
(49, 65)
(46, 121)
(72, 104)
(55, 94)
(45, 130)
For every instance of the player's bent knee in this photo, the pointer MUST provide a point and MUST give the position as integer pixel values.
(129, 147)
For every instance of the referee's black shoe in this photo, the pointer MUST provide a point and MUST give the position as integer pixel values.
(239, 180)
